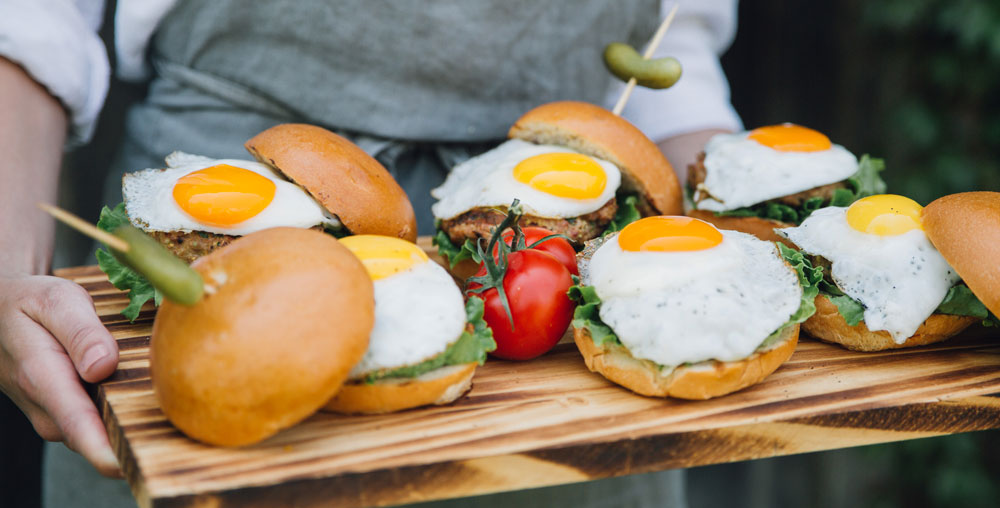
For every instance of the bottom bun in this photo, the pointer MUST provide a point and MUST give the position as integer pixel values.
(756, 226)
(828, 325)
(439, 386)
(697, 382)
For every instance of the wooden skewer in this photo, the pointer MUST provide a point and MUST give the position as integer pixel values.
(85, 227)
(653, 44)
(102, 236)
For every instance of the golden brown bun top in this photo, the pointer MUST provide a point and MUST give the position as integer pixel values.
(965, 229)
(342, 177)
(596, 131)
(291, 314)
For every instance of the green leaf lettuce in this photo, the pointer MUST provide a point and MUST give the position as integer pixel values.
(122, 277)
(626, 214)
(454, 254)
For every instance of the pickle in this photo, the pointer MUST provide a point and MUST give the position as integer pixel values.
(168, 273)
(626, 63)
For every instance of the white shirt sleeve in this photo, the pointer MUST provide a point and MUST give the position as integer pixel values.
(701, 31)
(135, 22)
(56, 43)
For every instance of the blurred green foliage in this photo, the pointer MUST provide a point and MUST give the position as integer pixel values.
(940, 109)
(958, 470)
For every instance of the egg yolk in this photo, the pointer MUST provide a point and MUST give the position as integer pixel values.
(668, 234)
(884, 215)
(384, 255)
(566, 175)
(789, 137)
(223, 195)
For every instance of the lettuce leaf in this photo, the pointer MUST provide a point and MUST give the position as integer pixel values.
(122, 277)
(470, 347)
(453, 254)
(809, 279)
(864, 182)
(627, 213)
(960, 301)
(850, 309)
(586, 314)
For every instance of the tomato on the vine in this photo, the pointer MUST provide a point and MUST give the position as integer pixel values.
(559, 247)
(535, 284)
(523, 287)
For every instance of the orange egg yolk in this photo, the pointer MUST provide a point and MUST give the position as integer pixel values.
(223, 195)
(566, 175)
(668, 234)
(384, 256)
(885, 215)
(789, 137)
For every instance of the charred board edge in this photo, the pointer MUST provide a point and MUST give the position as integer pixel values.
(592, 461)
(122, 448)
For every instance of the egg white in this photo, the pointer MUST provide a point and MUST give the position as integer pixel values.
(687, 307)
(487, 180)
(741, 172)
(418, 313)
(150, 204)
(899, 279)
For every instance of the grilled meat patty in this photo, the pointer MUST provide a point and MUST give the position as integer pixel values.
(476, 223)
(191, 245)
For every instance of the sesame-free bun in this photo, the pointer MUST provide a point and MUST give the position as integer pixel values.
(439, 386)
(829, 326)
(595, 131)
(965, 229)
(348, 182)
(757, 226)
(259, 353)
(700, 381)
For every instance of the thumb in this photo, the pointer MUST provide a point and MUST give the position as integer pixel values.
(67, 312)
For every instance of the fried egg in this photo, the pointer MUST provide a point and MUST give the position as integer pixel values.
(551, 181)
(225, 196)
(747, 168)
(881, 257)
(677, 290)
(419, 311)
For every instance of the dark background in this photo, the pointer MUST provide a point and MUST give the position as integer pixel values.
(912, 81)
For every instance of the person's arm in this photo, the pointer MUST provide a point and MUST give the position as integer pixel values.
(683, 149)
(49, 331)
(682, 118)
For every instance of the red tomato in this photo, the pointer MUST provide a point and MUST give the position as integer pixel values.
(560, 248)
(536, 285)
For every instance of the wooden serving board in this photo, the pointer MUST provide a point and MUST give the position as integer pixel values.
(544, 422)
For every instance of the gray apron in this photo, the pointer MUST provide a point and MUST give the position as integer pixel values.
(420, 86)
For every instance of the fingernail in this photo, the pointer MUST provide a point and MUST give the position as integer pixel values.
(108, 458)
(93, 355)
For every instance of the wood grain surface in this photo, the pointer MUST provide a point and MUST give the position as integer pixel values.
(538, 423)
